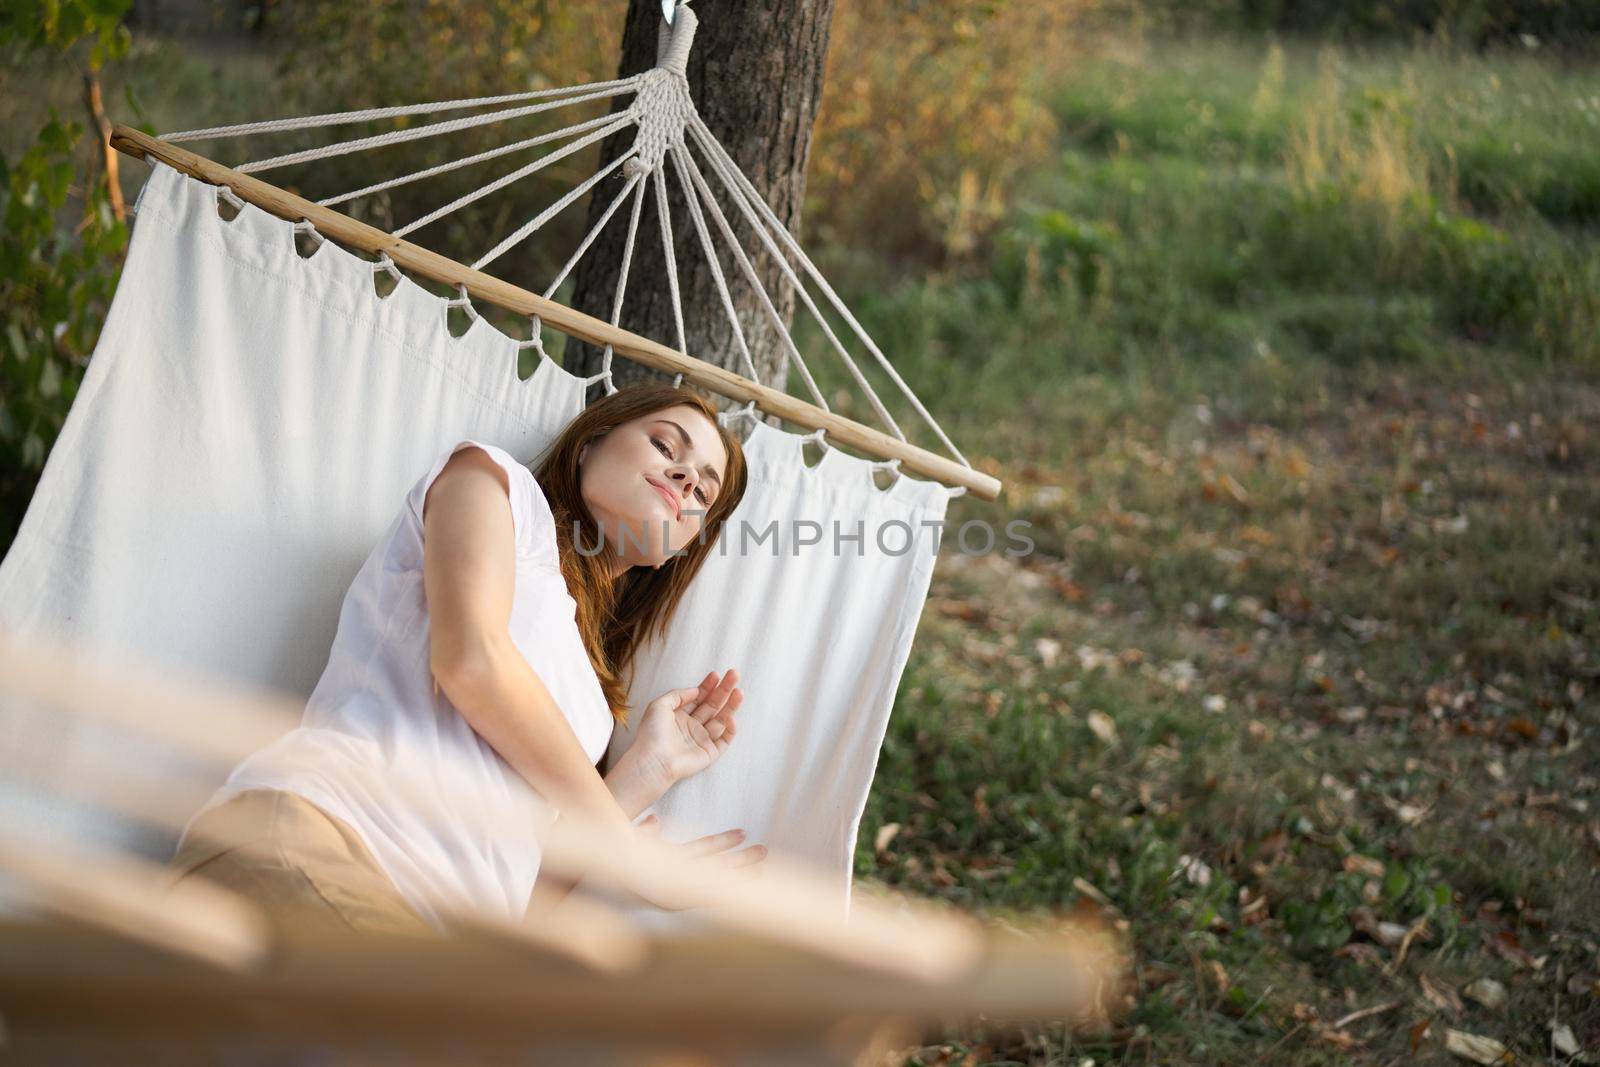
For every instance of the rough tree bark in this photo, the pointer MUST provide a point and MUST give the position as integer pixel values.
(756, 76)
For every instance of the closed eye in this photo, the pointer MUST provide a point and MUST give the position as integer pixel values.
(666, 450)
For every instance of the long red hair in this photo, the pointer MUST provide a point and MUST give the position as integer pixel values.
(616, 617)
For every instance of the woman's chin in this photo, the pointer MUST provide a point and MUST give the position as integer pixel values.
(644, 539)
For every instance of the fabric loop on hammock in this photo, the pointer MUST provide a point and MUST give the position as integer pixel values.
(387, 265)
(224, 193)
(306, 227)
(744, 411)
(464, 302)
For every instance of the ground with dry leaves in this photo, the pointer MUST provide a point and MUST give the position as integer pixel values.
(1300, 682)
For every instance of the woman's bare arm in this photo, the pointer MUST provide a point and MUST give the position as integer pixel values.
(469, 571)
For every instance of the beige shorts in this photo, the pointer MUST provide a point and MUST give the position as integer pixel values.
(302, 866)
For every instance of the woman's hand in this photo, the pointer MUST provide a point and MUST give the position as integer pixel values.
(720, 867)
(682, 732)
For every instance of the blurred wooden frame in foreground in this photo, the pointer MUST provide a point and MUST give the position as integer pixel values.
(120, 962)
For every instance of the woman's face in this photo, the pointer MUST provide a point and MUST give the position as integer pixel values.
(650, 481)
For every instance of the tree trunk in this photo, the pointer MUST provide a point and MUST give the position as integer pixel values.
(756, 77)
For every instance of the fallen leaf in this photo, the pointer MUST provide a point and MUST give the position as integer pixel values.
(1522, 728)
(1376, 1009)
(1089, 890)
(1234, 489)
(1193, 869)
(886, 834)
(1504, 943)
(1476, 1047)
(1048, 649)
(1584, 984)
(1102, 726)
(1364, 865)
(1410, 814)
(1418, 1033)
(1391, 934)
(1337, 1038)
(1387, 934)
(1360, 952)
(1486, 991)
(1562, 1039)
(1441, 995)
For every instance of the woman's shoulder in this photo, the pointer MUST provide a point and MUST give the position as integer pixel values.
(530, 509)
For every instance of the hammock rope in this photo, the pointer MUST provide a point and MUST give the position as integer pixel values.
(667, 127)
(457, 164)
(682, 157)
(344, 118)
(383, 140)
(516, 175)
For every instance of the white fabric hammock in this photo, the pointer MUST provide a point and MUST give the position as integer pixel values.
(248, 425)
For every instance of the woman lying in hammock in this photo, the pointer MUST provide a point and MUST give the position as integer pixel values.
(481, 652)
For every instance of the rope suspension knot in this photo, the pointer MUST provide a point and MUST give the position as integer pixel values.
(674, 41)
(662, 108)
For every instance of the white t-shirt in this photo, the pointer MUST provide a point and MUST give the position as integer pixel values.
(375, 710)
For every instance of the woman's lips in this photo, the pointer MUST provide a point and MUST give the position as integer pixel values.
(658, 487)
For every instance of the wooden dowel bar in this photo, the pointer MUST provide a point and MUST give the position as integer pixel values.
(130, 898)
(490, 289)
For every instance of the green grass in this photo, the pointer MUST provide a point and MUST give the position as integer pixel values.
(1314, 475)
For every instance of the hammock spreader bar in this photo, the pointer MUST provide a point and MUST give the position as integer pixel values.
(485, 287)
